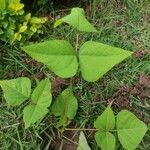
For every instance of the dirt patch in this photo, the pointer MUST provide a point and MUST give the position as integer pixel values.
(68, 141)
(58, 84)
(141, 89)
(140, 54)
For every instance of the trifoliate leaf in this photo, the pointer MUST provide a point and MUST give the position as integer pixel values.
(130, 129)
(58, 55)
(16, 91)
(41, 100)
(96, 59)
(77, 20)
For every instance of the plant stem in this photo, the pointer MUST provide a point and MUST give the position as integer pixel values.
(77, 43)
(83, 129)
(80, 129)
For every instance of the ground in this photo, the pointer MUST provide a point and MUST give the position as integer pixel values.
(125, 25)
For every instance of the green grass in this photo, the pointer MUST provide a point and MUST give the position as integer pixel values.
(123, 25)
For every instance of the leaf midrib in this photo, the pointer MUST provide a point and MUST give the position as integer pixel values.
(17, 91)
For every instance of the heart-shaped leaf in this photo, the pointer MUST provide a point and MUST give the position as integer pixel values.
(83, 145)
(16, 91)
(96, 59)
(106, 121)
(41, 100)
(58, 55)
(32, 113)
(105, 140)
(130, 129)
(77, 20)
(65, 107)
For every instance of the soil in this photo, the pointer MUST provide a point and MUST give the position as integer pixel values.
(140, 89)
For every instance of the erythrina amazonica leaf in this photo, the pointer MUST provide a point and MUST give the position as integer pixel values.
(83, 145)
(106, 121)
(58, 55)
(77, 20)
(41, 100)
(16, 91)
(130, 129)
(105, 140)
(96, 59)
(65, 107)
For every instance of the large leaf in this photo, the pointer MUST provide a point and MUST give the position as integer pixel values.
(130, 129)
(65, 107)
(96, 59)
(16, 91)
(41, 100)
(105, 140)
(83, 145)
(77, 20)
(106, 121)
(58, 55)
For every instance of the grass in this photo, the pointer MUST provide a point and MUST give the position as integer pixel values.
(124, 25)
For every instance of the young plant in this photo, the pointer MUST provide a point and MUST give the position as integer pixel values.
(93, 59)
(129, 128)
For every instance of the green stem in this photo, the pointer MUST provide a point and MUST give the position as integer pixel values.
(77, 43)
(83, 129)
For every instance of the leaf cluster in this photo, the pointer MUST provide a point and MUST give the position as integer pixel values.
(15, 24)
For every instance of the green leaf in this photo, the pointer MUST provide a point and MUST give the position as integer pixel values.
(106, 121)
(83, 145)
(58, 55)
(32, 113)
(77, 20)
(42, 94)
(2, 4)
(105, 140)
(41, 100)
(96, 59)
(65, 107)
(130, 129)
(16, 91)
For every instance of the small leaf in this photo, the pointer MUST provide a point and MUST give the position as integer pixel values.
(106, 121)
(96, 59)
(77, 20)
(16, 91)
(41, 100)
(32, 113)
(65, 107)
(130, 129)
(83, 145)
(42, 94)
(58, 55)
(105, 140)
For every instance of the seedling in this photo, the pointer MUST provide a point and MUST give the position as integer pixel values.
(93, 59)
